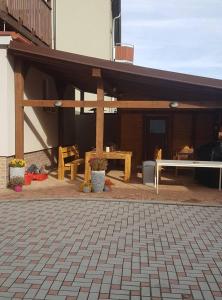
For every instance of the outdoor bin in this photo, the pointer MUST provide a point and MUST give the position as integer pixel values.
(149, 172)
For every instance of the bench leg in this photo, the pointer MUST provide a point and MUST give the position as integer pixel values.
(73, 171)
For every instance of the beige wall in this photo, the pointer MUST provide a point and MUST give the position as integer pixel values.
(84, 27)
(40, 127)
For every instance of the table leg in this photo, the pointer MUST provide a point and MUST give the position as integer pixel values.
(127, 168)
(220, 180)
(157, 179)
(87, 168)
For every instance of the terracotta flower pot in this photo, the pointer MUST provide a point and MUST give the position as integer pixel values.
(18, 188)
(28, 179)
(107, 188)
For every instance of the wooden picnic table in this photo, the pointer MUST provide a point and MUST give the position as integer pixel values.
(125, 155)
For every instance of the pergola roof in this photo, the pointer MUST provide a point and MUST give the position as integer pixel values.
(124, 81)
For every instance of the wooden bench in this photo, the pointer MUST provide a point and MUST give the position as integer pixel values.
(68, 159)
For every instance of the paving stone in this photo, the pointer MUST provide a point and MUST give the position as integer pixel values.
(83, 296)
(6, 295)
(118, 296)
(50, 297)
(93, 296)
(105, 288)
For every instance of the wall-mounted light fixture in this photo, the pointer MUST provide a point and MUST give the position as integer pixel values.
(173, 104)
(58, 103)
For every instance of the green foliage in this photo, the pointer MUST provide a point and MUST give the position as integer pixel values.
(17, 180)
(17, 163)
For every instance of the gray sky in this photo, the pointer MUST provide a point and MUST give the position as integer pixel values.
(178, 35)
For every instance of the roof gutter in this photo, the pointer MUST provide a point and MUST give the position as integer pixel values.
(113, 35)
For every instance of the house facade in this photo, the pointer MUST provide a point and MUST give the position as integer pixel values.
(77, 27)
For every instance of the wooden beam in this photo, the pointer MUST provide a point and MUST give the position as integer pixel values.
(60, 86)
(64, 103)
(96, 73)
(100, 118)
(128, 104)
(19, 110)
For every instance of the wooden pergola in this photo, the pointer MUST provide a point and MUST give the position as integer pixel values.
(134, 87)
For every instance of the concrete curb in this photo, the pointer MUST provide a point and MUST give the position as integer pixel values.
(114, 200)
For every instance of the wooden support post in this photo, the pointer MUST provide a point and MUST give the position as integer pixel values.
(60, 86)
(19, 110)
(99, 120)
(82, 96)
(99, 112)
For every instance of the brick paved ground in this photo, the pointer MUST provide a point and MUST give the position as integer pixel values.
(77, 249)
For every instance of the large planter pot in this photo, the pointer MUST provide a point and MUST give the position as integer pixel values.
(98, 181)
(17, 172)
(86, 189)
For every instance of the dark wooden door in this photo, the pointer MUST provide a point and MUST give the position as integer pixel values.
(155, 136)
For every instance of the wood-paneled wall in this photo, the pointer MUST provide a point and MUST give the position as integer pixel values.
(132, 135)
(182, 131)
(204, 128)
(188, 128)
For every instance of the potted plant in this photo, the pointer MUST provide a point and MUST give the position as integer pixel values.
(86, 187)
(107, 186)
(98, 167)
(17, 168)
(16, 182)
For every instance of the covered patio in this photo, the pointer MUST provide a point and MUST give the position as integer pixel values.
(141, 94)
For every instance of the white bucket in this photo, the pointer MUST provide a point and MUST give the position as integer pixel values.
(17, 172)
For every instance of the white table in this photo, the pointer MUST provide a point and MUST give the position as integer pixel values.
(188, 164)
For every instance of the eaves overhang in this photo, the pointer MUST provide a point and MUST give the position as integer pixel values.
(124, 81)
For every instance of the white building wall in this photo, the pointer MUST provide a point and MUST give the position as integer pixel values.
(7, 106)
(84, 27)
